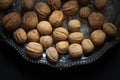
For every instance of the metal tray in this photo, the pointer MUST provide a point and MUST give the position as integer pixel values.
(111, 14)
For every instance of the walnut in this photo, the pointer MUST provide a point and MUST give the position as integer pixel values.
(54, 4)
(70, 8)
(56, 18)
(84, 2)
(84, 12)
(110, 29)
(52, 54)
(44, 28)
(74, 25)
(5, 4)
(76, 37)
(33, 35)
(46, 41)
(60, 34)
(27, 5)
(98, 37)
(11, 21)
(42, 10)
(96, 20)
(34, 49)
(20, 36)
(87, 46)
(75, 50)
(100, 4)
(62, 47)
(29, 20)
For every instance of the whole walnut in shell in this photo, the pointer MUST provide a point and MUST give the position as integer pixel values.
(5, 4)
(42, 10)
(70, 8)
(75, 50)
(11, 21)
(56, 18)
(30, 20)
(33, 35)
(74, 25)
(100, 4)
(44, 28)
(87, 46)
(62, 47)
(84, 2)
(27, 5)
(98, 37)
(46, 41)
(54, 4)
(110, 29)
(96, 20)
(76, 37)
(84, 12)
(34, 49)
(52, 54)
(60, 34)
(20, 36)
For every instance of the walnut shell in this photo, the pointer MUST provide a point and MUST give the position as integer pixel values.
(76, 37)
(62, 47)
(87, 46)
(30, 20)
(11, 21)
(27, 5)
(75, 50)
(5, 4)
(84, 12)
(60, 34)
(54, 4)
(44, 28)
(100, 4)
(42, 10)
(110, 29)
(70, 8)
(34, 49)
(74, 25)
(96, 20)
(20, 36)
(98, 37)
(56, 18)
(52, 54)
(46, 41)
(33, 35)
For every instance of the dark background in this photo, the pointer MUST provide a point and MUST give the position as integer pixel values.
(14, 67)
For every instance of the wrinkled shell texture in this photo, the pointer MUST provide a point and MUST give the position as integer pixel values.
(42, 10)
(30, 20)
(44, 28)
(5, 4)
(84, 12)
(100, 3)
(54, 4)
(52, 54)
(11, 21)
(20, 36)
(70, 8)
(27, 5)
(98, 37)
(34, 49)
(60, 34)
(56, 18)
(96, 20)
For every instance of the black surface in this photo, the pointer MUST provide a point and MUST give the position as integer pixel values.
(14, 67)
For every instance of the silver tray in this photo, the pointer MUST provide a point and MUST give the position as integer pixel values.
(111, 14)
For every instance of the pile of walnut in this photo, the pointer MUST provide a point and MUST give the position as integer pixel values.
(41, 34)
